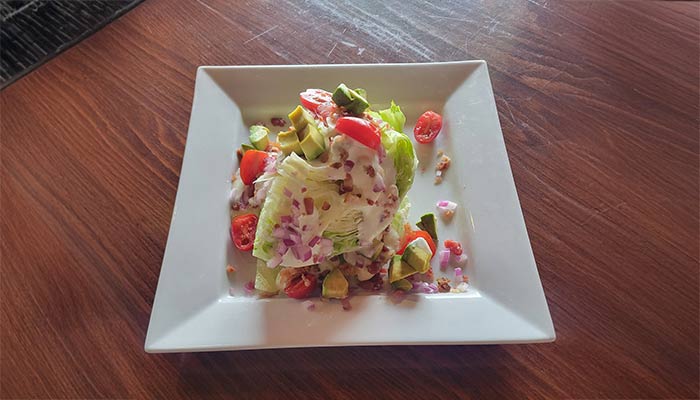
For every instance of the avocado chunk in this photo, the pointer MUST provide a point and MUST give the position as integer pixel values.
(402, 284)
(342, 95)
(417, 254)
(312, 143)
(300, 118)
(353, 100)
(399, 269)
(335, 286)
(259, 136)
(289, 141)
(245, 147)
(265, 278)
(428, 223)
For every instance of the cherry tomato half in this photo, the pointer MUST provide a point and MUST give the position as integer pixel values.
(413, 235)
(301, 286)
(427, 127)
(312, 98)
(253, 165)
(454, 247)
(243, 231)
(359, 129)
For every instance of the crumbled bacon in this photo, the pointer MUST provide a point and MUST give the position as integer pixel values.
(370, 171)
(374, 283)
(443, 285)
(230, 268)
(276, 121)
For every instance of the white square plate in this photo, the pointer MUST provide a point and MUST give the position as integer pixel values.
(194, 309)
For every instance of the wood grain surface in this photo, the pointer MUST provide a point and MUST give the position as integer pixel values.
(599, 107)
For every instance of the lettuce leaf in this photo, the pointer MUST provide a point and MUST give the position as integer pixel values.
(394, 117)
(399, 147)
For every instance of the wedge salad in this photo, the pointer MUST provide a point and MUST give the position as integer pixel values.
(322, 203)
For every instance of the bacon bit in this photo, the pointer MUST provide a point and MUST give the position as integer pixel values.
(346, 304)
(440, 153)
(383, 270)
(309, 205)
(465, 278)
(323, 157)
(336, 165)
(370, 202)
(325, 206)
(343, 154)
(370, 171)
(276, 121)
(303, 189)
(348, 165)
(397, 296)
(443, 285)
(429, 276)
(272, 147)
(346, 187)
(236, 207)
(443, 163)
(230, 268)
(438, 180)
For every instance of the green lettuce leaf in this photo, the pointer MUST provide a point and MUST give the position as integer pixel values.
(399, 147)
(394, 117)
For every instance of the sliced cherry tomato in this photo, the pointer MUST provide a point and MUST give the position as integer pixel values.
(454, 247)
(427, 127)
(301, 286)
(312, 98)
(359, 129)
(413, 235)
(253, 165)
(243, 231)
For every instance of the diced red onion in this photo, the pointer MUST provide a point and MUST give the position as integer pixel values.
(287, 192)
(295, 203)
(309, 305)
(348, 165)
(309, 205)
(446, 205)
(249, 287)
(444, 258)
(314, 240)
(458, 273)
(433, 287)
(286, 219)
(296, 238)
(288, 242)
(302, 252)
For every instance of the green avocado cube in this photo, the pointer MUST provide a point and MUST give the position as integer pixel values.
(335, 286)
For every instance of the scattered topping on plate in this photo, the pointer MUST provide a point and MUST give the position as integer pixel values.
(277, 121)
(446, 208)
(442, 165)
(443, 285)
(230, 269)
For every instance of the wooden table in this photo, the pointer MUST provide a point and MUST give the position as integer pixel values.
(599, 107)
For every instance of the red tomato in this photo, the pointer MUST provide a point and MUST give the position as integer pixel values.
(359, 129)
(312, 98)
(413, 235)
(301, 286)
(427, 127)
(253, 165)
(454, 247)
(243, 231)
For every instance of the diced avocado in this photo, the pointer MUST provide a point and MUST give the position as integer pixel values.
(335, 286)
(312, 143)
(402, 284)
(358, 105)
(399, 269)
(259, 136)
(342, 95)
(354, 101)
(417, 254)
(245, 147)
(300, 118)
(428, 223)
(265, 278)
(289, 141)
